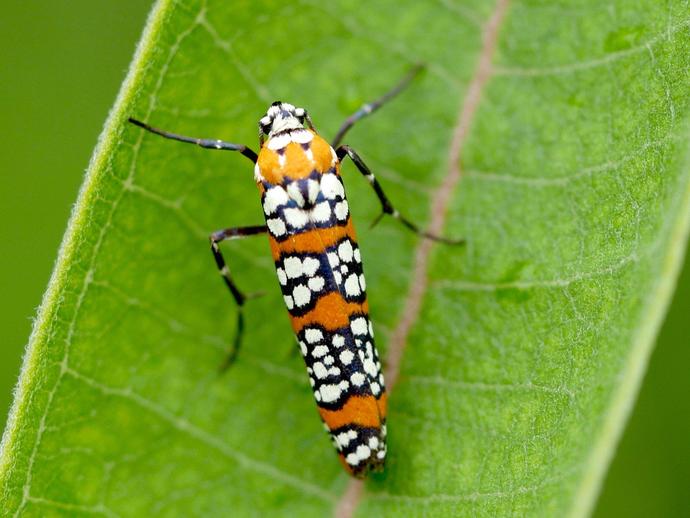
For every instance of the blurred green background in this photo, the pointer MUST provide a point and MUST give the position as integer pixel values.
(62, 64)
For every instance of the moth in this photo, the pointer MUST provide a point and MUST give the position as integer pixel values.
(319, 268)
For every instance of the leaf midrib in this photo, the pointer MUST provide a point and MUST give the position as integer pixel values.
(439, 205)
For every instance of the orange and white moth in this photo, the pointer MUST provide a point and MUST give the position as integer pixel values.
(319, 267)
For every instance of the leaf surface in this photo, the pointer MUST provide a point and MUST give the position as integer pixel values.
(529, 344)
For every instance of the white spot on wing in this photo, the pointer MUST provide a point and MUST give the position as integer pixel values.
(312, 189)
(343, 439)
(370, 367)
(316, 283)
(341, 210)
(295, 193)
(352, 459)
(276, 226)
(278, 142)
(346, 357)
(297, 218)
(258, 177)
(313, 335)
(345, 251)
(352, 285)
(322, 212)
(331, 186)
(363, 451)
(302, 295)
(359, 326)
(357, 379)
(310, 265)
(320, 371)
(293, 267)
(319, 351)
(274, 198)
(330, 393)
(302, 136)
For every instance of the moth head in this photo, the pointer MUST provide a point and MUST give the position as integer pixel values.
(281, 117)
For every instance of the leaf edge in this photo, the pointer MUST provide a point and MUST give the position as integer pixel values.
(108, 138)
(624, 396)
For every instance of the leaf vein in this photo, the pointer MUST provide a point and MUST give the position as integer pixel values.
(560, 181)
(478, 286)
(184, 426)
(474, 386)
(591, 63)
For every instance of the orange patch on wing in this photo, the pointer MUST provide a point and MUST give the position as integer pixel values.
(382, 403)
(314, 241)
(332, 312)
(269, 165)
(361, 410)
(275, 247)
(321, 151)
(297, 162)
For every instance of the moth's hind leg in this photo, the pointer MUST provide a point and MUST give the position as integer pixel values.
(239, 297)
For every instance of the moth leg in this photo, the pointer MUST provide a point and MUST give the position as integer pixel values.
(239, 297)
(386, 205)
(371, 107)
(205, 143)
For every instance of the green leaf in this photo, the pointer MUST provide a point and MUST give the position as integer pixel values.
(522, 352)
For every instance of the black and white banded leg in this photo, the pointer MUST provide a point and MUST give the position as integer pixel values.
(386, 205)
(240, 298)
(371, 107)
(205, 143)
